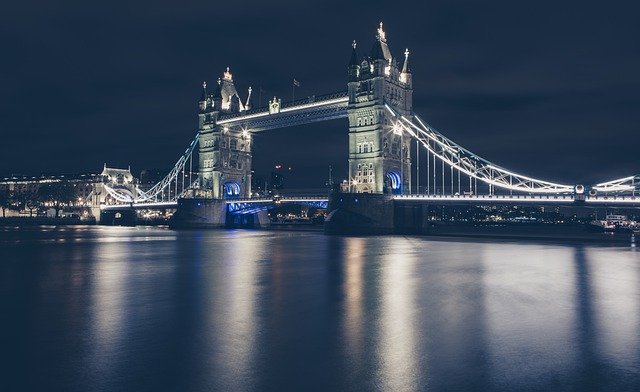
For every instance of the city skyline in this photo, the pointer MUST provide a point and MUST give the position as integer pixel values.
(124, 90)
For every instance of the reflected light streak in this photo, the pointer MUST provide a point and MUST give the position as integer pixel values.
(234, 324)
(397, 349)
(108, 292)
(615, 280)
(353, 290)
(529, 297)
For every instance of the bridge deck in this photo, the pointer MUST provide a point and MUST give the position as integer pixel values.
(594, 201)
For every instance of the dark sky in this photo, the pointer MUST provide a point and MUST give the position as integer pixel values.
(547, 88)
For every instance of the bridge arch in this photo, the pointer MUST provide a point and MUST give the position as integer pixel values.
(231, 190)
(393, 183)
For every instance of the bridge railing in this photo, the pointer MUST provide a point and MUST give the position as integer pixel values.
(485, 197)
(270, 199)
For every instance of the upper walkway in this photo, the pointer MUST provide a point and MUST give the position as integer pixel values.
(299, 112)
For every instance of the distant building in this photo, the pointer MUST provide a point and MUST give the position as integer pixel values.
(24, 186)
(89, 186)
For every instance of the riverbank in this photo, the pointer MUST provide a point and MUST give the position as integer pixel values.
(44, 221)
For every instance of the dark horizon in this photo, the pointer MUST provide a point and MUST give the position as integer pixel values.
(546, 89)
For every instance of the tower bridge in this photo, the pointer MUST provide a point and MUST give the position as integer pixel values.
(216, 167)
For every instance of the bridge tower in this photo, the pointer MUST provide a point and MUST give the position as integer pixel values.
(379, 153)
(224, 154)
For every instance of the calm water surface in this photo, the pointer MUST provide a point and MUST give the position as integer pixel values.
(149, 309)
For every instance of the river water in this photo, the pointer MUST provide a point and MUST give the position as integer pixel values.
(150, 309)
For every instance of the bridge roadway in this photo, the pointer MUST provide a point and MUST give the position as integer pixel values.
(321, 201)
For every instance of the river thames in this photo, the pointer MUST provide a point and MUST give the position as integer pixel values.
(149, 309)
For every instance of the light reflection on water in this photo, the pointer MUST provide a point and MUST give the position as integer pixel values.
(151, 309)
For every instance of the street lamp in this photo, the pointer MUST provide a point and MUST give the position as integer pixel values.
(397, 130)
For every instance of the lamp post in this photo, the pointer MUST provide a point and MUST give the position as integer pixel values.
(397, 130)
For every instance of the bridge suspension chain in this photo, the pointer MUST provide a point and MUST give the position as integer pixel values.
(468, 163)
(162, 191)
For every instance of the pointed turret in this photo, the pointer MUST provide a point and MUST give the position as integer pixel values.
(216, 97)
(354, 55)
(405, 75)
(380, 50)
(247, 106)
(202, 104)
(354, 67)
(405, 67)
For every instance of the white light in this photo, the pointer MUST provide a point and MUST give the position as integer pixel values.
(342, 100)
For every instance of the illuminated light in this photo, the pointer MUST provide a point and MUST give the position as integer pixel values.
(504, 171)
(390, 110)
(316, 104)
(395, 180)
(354, 182)
(381, 34)
(335, 101)
(245, 134)
(487, 198)
(397, 129)
(616, 181)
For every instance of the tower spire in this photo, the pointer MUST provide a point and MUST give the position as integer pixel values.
(247, 106)
(381, 36)
(380, 50)
(354, 55)
(203, 96)
(405, 67)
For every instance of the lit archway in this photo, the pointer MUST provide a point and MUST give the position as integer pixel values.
(231, 190)
(393, 183)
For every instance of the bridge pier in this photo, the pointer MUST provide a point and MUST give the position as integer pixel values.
(213, 214)
(360, 213)
(125, 217)
(199, 213)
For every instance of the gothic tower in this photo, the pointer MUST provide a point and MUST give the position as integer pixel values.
(379, 153)
(224, 153)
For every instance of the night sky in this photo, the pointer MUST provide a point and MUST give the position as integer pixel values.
(547, 88)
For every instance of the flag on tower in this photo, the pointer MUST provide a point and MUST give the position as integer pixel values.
(296, 83)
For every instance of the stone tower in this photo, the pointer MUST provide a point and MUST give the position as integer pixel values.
(379, 153)
(224, 153)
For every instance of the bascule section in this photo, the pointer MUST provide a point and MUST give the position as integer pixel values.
(379, 153)
(224, 152)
